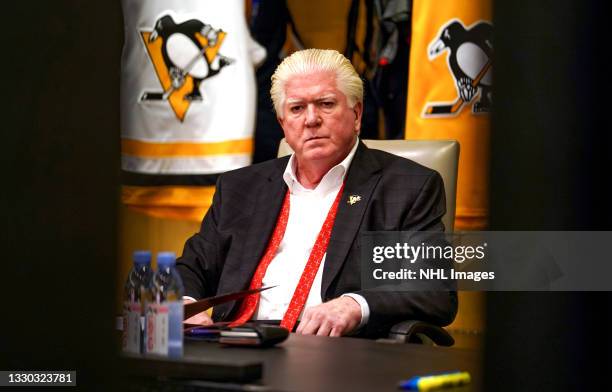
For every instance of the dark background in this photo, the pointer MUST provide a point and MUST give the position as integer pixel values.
(549, 170)
(60, 155)
(60, 161)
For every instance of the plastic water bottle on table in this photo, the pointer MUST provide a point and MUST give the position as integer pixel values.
(164, 309)
(136, 285)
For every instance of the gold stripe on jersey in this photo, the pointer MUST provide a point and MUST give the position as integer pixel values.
(185, 149)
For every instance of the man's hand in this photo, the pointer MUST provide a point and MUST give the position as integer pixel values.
(200, 318)
(334, 318)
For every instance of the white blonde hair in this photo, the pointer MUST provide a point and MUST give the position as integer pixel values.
(316, 60)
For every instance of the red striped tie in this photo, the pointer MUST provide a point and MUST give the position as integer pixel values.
(249, 305)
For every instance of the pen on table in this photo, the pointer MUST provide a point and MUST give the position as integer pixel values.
(436, 381)
(202, 331)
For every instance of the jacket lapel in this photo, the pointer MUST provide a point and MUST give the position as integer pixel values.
(361, 179)
(269, 202)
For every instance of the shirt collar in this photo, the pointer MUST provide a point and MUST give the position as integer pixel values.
(331, 180)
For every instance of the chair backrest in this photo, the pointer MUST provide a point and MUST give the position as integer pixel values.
(439, 155)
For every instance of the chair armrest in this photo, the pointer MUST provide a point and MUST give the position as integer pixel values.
(414, 331)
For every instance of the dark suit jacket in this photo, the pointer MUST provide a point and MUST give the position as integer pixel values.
(396, 194)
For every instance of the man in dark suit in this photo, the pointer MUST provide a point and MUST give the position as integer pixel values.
(295, 221)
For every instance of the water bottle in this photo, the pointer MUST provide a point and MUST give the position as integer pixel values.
(138, 281)
(164, 309)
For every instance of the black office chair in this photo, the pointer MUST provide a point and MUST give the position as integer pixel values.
(442, 156)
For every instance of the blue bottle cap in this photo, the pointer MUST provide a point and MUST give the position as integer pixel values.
(166, 259)
(142, 257)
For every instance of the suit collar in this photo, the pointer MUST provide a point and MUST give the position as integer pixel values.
(364, 166)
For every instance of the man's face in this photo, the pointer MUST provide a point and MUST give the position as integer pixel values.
(317, 121)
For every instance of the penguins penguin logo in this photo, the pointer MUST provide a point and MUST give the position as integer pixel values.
(183, 56)
(470, 53)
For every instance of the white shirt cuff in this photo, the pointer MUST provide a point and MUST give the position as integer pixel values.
(188, 297)
(363, 304)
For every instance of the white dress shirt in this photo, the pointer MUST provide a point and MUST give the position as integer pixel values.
(307, 212)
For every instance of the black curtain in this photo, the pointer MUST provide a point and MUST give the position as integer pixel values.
(550, 163)
(60, 160)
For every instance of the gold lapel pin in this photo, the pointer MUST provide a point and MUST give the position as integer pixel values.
(353, 199)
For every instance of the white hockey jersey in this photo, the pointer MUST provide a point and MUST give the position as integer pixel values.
(187, 97)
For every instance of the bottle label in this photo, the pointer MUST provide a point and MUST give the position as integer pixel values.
(165, 328)
(132, 330)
